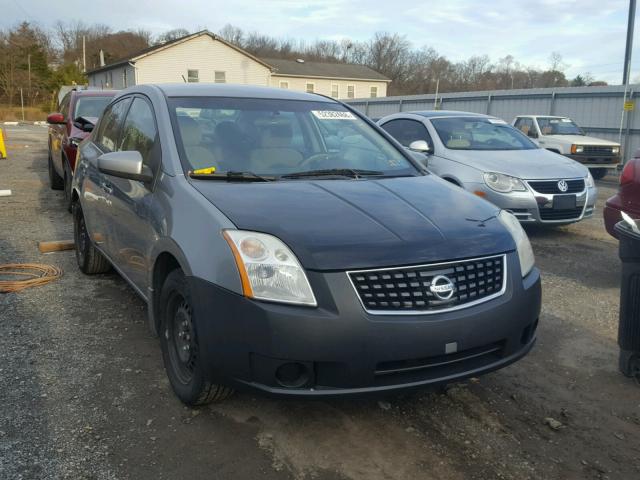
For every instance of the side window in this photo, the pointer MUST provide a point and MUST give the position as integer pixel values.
(407, 131)
(109, 128)
(64, 106)
(139, 132)
(525, 125)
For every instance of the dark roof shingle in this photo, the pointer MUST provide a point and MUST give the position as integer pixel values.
(323, 69)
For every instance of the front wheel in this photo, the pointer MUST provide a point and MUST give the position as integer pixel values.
(55, 181)
(180, 347)
(598, 173)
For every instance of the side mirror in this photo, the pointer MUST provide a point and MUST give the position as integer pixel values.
(55, 119)
(420, 146)
(126, 164)
(421, 158)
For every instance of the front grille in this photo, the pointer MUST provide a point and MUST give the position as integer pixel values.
(551, 186)
(568, 214)
(597, 149)
(408, 289)
(435, 366)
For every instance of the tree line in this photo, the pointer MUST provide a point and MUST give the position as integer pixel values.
(35, 61)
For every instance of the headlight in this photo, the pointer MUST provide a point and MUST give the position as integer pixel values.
(268, 269)
(590, 183)
(577, 148)
(525, 252)
(503, 183)
(615, 150)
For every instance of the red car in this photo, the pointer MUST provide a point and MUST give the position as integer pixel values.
(77, 113)
(628, 197)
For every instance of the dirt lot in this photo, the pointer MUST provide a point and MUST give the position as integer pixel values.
(84, 396)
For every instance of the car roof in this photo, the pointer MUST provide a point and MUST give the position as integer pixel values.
(243, 91)
(541, 115)
(238, 91)
(449, 113)
(94, 93)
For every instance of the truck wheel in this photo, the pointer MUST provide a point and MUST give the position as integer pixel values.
(89, 259)
(180, 348)
(598, 173)
(55, 181)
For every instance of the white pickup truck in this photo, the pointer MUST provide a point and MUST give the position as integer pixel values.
(563, 136)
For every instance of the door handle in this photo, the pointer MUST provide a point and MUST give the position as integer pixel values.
(106, 187)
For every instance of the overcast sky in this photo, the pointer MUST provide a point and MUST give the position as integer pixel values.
(589, 34)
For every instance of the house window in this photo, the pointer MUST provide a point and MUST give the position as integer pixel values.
(192, 76)
(310, 88)
(351, 91)
(220, 77)
(335, 90)
(284, 85)
(374, 92)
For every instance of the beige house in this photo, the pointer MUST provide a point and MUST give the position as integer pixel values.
(205, 57)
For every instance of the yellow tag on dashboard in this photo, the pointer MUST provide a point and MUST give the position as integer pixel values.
(204, 171)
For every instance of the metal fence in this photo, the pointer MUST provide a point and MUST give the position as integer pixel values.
(598, 110)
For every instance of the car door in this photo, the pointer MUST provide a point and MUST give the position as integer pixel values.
(58, 134)
(96, 188)
(132, 200)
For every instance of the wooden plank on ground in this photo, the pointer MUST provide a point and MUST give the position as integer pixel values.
(56, 246)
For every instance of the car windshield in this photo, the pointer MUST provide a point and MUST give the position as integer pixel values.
(558, 126)
(91, 106)
(270, 137)
(478, 133)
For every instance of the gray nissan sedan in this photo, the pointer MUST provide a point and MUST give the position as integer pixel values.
(285, 243)
(488, 157)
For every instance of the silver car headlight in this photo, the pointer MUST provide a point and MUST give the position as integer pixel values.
(525, 252)
(615, 150)
(590, 182)
(503, 183)
(268, 268)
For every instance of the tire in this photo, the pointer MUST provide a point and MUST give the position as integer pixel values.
(598, 173)
(55, 181)
(89, 259)
(67, 188)
(179, 342)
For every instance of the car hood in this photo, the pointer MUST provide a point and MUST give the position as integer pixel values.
(582, 140)
(536, 163)
(350, 224)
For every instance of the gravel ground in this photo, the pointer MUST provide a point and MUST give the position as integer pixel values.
(84, 394)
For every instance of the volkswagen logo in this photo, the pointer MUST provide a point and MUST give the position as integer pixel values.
(562, 186)
(442, 287)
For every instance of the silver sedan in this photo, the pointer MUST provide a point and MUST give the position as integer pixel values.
(493, 160)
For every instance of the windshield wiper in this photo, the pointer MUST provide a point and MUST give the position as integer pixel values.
(233, 177)
(335, 172)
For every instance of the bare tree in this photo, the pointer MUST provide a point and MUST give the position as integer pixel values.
(170, 35)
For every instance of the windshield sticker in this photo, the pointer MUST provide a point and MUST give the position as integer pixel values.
(496, 121)
(333, 115)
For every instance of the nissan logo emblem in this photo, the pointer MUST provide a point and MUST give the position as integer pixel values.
(562, 186)
(442, 287)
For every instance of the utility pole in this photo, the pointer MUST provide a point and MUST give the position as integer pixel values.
(435, 100)
(29, 77)
(84, 55)
(22, 104)
(627, 51)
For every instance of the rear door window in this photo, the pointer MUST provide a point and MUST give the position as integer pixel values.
(111, 124)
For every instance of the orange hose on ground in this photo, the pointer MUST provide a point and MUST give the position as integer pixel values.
(37, 273)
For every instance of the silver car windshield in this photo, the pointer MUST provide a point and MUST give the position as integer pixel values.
(471, 133)
(279, 137)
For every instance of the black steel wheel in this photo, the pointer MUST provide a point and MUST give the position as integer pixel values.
(89, 259)
(55, 181)
(180, 347)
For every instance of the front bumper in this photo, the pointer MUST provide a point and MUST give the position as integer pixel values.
(596, 161)
(345, 350)
(534, 207)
